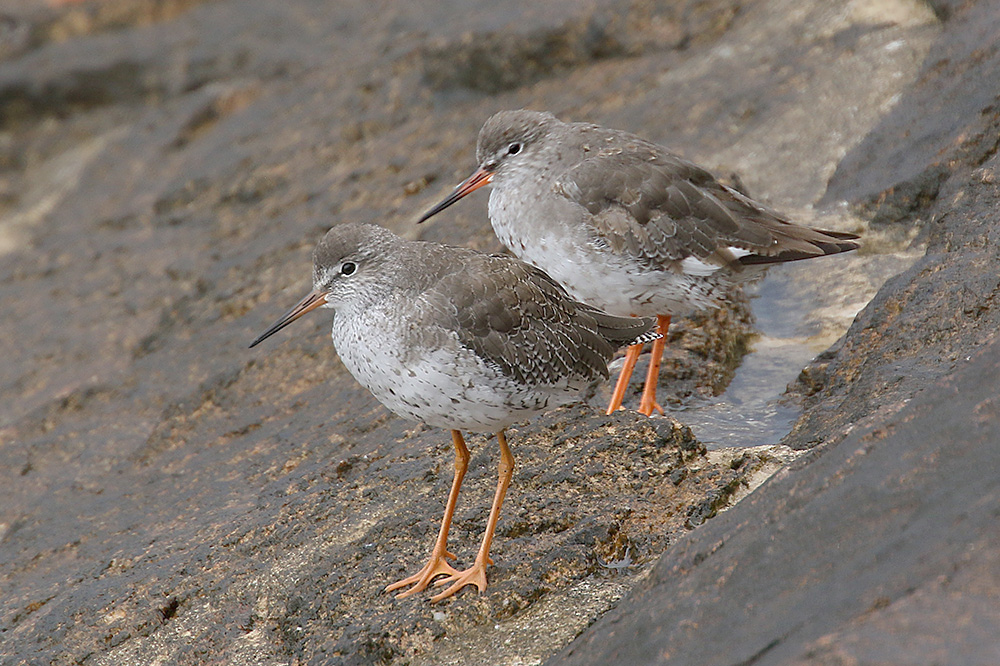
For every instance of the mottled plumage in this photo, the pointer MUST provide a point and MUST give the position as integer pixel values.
(622, 223)
(460, 340)
(580, 189)
(456, 338)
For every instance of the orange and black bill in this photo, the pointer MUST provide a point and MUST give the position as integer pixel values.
(478, 178)
(312, 301)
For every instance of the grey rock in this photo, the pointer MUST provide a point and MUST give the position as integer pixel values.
(170, 496)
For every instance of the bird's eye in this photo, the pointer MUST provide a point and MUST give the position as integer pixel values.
(348, 268)
(513, 149)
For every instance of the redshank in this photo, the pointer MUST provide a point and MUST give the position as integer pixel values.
(625, 225)
(460, 340)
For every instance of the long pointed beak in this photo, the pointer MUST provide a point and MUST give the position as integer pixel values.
(478, 178)
(312, 301)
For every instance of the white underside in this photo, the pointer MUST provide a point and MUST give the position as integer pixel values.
(448, 386)
(614, 283)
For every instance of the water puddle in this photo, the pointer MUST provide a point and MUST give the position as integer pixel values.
(801, 309)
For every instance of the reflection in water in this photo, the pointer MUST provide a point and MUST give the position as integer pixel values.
(749, 413)
(800, 309)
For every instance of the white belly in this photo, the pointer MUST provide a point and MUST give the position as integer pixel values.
(447, 386)
(597, 276)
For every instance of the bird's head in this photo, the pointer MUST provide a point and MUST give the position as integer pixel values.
(508, 142)
(349, 263)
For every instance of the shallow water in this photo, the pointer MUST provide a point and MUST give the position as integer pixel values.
(750, 412)
(801, 309)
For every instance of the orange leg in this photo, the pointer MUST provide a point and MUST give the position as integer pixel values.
(631, 356)
(476, 574)
(648, 402)
(438, 562)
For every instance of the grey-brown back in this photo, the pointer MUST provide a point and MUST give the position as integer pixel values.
(514, 316)
(508, 313)
(646, 201)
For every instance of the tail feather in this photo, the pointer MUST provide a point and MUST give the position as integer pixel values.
(624, 331)
(820, 244)
(648, 336)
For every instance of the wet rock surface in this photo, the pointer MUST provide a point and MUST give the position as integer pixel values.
(171, 497)
(882, 549)
(880, 546)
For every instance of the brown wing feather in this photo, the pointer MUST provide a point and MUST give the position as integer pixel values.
(516, 317)
(661, 209)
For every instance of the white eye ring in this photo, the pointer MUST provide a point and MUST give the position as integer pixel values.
(514, 148)
(348, 268)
